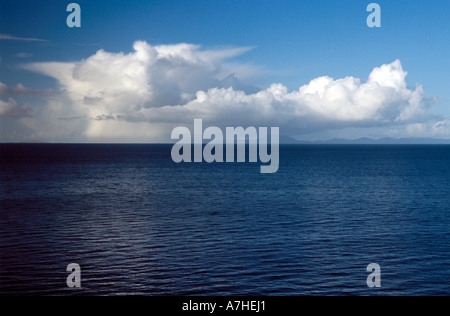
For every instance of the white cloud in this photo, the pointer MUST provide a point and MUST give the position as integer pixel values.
(142, 95)
(383, 99)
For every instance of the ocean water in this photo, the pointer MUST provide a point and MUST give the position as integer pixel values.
(138, 223)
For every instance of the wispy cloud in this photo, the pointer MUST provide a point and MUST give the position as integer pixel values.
(20, 89)
(24, 55)
(23, 39)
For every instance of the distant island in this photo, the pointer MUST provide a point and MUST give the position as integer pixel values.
(33, 142)
(369, 141)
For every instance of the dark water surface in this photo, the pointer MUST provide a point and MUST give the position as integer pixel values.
(137, 223)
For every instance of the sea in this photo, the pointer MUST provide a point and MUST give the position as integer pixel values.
(138, 223)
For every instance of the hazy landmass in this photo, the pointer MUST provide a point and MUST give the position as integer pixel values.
(370, 141)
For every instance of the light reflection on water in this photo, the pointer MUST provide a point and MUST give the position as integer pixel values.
(137, 223)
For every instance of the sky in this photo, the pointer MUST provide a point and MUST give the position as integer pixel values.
(134, 70)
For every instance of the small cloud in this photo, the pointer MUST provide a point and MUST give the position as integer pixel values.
(441, 128)
(11, 109)
(104, 117)
(23, 39)
(24, 55)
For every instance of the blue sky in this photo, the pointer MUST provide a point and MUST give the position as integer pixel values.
(286, 42)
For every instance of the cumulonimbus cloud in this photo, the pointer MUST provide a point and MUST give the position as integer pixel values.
(141, 95)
